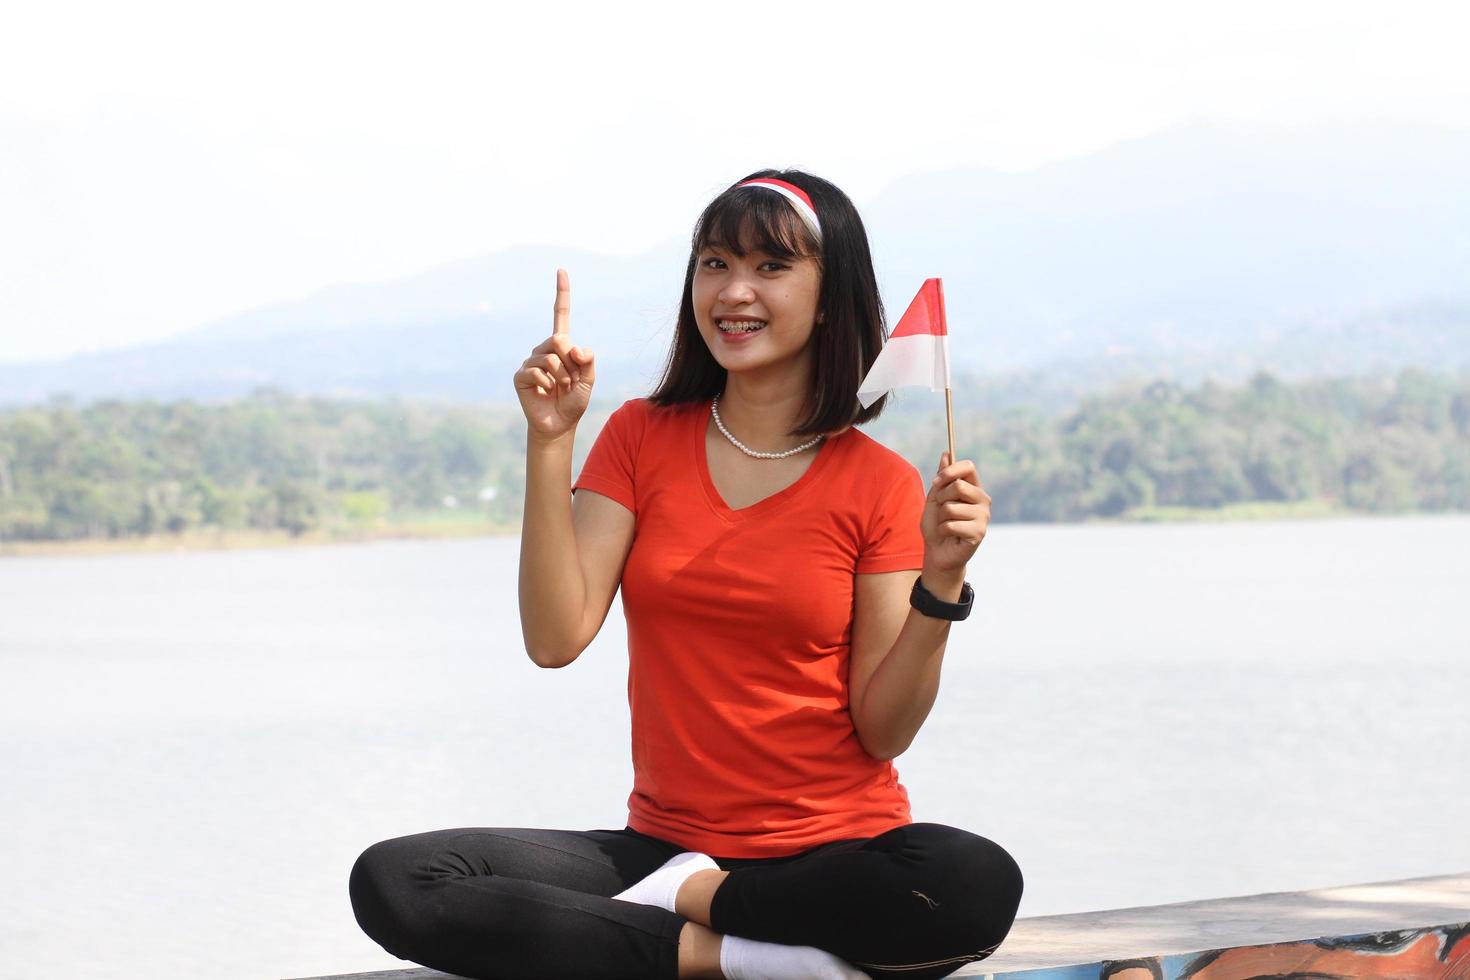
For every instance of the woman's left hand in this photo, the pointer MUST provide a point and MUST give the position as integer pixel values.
(956, 514)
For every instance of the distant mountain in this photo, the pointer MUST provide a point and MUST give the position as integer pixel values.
(1206, 249)
(1199, 240)
(455, 332)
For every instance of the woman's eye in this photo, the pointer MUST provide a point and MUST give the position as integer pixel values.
(774, 266)
(712, 263)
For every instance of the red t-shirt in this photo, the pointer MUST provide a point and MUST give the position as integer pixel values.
(739, 634)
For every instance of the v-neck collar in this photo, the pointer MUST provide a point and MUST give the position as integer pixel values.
(765, 505)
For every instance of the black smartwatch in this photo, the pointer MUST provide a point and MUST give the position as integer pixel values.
(924, 601)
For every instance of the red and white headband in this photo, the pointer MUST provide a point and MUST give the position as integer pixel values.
(796, 196)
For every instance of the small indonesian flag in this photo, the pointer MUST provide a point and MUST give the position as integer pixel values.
(917, 352)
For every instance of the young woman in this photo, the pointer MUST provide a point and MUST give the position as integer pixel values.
(781, 651)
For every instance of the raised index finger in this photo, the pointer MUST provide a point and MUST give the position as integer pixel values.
(561, 317)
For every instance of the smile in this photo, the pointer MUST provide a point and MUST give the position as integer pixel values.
(740, 326)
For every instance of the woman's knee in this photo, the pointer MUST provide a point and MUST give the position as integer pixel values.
(380, 887)
(978, 875)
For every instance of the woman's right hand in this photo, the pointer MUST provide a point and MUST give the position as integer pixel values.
(554, 384)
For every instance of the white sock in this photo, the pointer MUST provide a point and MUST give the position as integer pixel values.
(662, 887)
(748, 959)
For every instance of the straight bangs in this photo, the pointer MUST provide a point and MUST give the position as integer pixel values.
(752, 219)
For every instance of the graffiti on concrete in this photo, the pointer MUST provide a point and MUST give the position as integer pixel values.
(1440, 953)
(1432, 953)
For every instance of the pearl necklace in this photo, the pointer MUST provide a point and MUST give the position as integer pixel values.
(714, 408)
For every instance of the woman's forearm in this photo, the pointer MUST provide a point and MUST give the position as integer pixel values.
(901, 692)
(552, 589)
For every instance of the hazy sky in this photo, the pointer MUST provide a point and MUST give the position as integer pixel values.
(165, 164)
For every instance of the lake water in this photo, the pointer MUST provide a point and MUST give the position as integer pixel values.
(197, 746)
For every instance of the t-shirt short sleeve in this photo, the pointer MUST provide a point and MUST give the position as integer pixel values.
(894, 541)
(610, 466)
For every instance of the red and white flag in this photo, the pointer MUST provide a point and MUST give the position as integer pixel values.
(917, 352)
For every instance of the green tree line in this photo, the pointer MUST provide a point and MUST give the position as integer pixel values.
(270, 462)
(273, 462)
(1372, 445)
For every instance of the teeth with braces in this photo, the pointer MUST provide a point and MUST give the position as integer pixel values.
(741, 326)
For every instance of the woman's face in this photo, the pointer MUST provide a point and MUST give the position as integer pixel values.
(756, 312)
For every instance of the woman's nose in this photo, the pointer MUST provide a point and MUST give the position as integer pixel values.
(736, 290)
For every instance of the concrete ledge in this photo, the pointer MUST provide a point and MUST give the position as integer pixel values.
(1417, 929)
(1327, 932)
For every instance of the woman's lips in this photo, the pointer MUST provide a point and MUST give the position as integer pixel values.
(738, 331)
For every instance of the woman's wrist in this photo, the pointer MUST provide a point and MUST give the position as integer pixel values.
(944, 583)
(539, 442)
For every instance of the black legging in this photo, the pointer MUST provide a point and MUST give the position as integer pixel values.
(509, 904)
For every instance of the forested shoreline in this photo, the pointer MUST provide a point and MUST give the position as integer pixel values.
(282, 464)
(1372, 445)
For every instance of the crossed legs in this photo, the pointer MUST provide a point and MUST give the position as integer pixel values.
(508, 904)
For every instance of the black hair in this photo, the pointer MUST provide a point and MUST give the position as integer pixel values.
(844, 345)
(1114, 967)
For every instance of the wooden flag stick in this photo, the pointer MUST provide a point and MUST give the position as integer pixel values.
(949, 417)
(944, 340)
